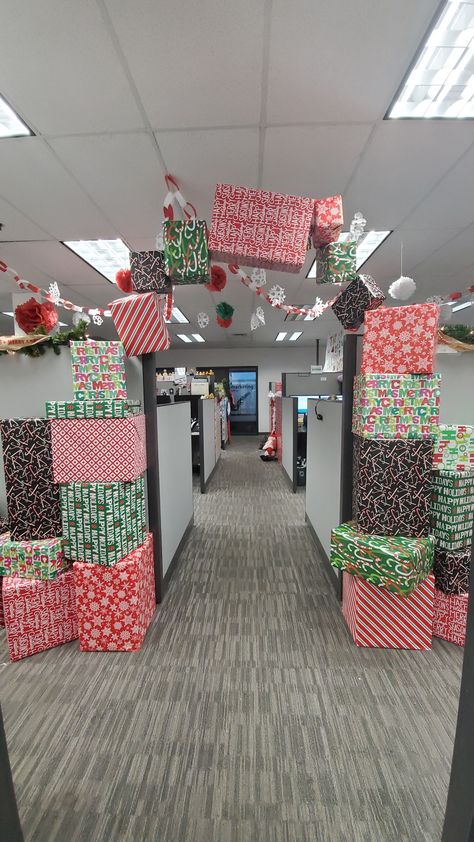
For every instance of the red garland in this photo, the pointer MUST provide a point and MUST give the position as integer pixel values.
(123, 279)
(33, 315)
(218, 279)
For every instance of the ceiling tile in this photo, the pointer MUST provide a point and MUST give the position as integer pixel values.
(44, 262)
(17, 227)
(451, 202)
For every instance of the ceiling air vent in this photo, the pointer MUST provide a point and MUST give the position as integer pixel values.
(240, 334)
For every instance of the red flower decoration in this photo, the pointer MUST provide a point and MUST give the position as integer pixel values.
(33, 315)
(218, 279)
(50, 316)
(455, 295)
(123, 279)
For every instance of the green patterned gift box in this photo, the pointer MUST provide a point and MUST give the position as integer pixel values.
(389, 406)
(452, 508)
(39, 559)
(103, 522)
(92, 409)
(186, 251)
(394, 563)
(336, 263)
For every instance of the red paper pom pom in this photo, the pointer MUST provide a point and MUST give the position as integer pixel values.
(123, 279)
(455, 295)
(33, 315)
(49, 315)
(218, 279)
(471, 288)
(223, 322)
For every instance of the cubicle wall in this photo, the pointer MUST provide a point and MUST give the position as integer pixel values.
(289, 432)
(208, 455)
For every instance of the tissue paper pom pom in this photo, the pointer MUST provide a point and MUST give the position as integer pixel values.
(223, 322)
(34, 316)
(123, 279)
(218, 279)
(455, 295)
(402, 289)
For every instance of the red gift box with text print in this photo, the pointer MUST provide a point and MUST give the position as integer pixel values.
(115, 605)
(98, 449)
(450, 616)
(400, 340)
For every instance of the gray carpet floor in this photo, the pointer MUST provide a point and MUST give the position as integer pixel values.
(249, 715)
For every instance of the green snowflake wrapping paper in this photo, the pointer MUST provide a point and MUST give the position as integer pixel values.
(103, 522)
(39, 559)
(186, 251)
(336, 263)
(92, 409)
(394, 563)
(452, 508)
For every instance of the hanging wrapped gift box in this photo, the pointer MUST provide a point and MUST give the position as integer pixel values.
(42, 559)
(327, 221)
(140, 324)
(103, 522)
(452, 508)
(351, 304)
(116, 604)
(397, 564)
(392, 486)
(401, 340)
(186, 251)
(259, 228)
(454, 447)
(336, 263)
(92, 409)
(388, 406)
(39, 615)
(451, 569)
(379, 619)
(450, 617)
(148, 271)
(98, 370)
(32, 498)
(98, 450)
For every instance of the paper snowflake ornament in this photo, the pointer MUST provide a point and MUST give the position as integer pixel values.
(357, 226)
(318, 308)
(159, 242)
(254, 322)
(277, 295)
(257, 319)
(54, 294)
(259, 276)
(97, 319)
(435, 299)
(202, 320)
(260, 314)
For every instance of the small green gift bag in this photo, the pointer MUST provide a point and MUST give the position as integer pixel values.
(186, 251)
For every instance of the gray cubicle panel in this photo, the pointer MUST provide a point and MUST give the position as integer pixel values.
(289, 439)
(303, 383)
(208, 457)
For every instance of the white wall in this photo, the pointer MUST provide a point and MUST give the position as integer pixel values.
(271, 363)
(457, 387)
(175, 476)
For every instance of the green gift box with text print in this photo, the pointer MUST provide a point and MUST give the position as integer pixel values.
(92, 409)
(336, 262)
(452, 508)
(39, 559)
(186, 251)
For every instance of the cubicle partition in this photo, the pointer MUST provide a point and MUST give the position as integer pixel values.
(208, 452)
(289, 433)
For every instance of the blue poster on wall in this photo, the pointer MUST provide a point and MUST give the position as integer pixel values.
(243, 386)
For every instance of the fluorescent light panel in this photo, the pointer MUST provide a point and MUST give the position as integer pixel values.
(440, 84)
(198, 337)
(296, 335)
(105, 256)
(183, 337)
(280, 336)
(10, 123)
(366, 246)
(461, 306)
(177, 317)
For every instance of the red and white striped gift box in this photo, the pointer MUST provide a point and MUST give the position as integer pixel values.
(378, 618)
(450, 616)
(140, 324)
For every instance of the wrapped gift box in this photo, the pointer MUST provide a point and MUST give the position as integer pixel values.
(328, 220)
(39, 614)
(102, 522)
(115, 605)
(3, 525)
(401, 340)
(98, 370)
(454, 447)
(260, 228)
(2, 613)
(452, 508)
(42, 559)
(451, 569)
(186, 251)
(98, 450)
(32, 498)
(148, 272)
(395, 563)
(392, 486)
(92, 409)
(388, 406)
(450, 617)
(140, 324)
(351, 304)
(336, 263)
(377, 618)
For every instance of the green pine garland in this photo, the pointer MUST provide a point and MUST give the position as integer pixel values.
(463, 333)
(63, 337)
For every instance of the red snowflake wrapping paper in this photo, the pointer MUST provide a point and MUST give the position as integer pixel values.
(98, 449)
(380, 619)
(450, 616)
(140, 324)
(259, 228)
(39, 614)
(2, 613)
(328, 220)
(115, 605)
(400, 340)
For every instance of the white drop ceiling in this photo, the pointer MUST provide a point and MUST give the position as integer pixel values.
(288, 96)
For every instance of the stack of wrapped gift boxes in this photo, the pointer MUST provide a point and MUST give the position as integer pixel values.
(387, 552)
(452, 513)
(39, 609)
(98, 460)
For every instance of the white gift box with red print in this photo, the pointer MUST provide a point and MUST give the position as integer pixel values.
(260, 228)
(380, 619)
(98, 449)
(450, 616)
(39, 614)
(115, 605)
(140, 324)
(328, 220)
(400, 340)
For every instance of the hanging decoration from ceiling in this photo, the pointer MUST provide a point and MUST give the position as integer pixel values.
(218, 279)
(34, 317)
(123, 279)
(257, 319)
(77, 318)
(357, 226)
(402, 289)
(224, 313)
(258, 278)
(203, 320)
(318, 307)
(276, 294)
(288, 308)
(54, 293)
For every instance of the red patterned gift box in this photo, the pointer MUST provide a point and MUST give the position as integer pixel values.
(450, 617)
(379, 619)
(39, 614)
(2, 614)
(328, 220)
(140, 324)
(400, 340)
(259, 228)
(115, 605)
(98, 450)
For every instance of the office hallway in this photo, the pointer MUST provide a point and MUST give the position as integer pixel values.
(249, 715)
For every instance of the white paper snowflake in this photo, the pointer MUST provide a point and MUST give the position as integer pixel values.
(254, 322)
(434, 299)
(54, 293)
(257, 319)
(318, 307)
(258, 277)
(276, 294)
(202, 320)
(159, 242)
(357, 226)
(97, 319)
(260, 314)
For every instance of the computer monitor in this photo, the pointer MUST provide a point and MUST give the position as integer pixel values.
(303, 403)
